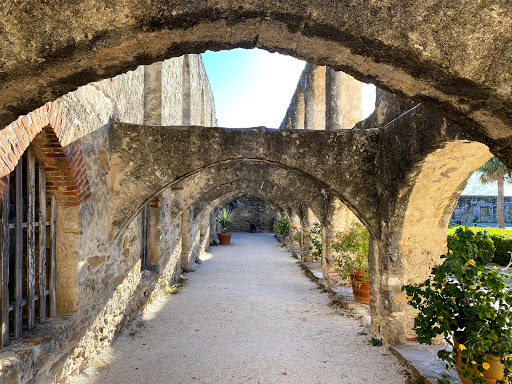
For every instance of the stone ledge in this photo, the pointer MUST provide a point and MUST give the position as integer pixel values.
(38, 351)
(422, 362)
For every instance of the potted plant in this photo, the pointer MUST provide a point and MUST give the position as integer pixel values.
(315, 236)
(226, 219)
(352, 246)
(469, 306)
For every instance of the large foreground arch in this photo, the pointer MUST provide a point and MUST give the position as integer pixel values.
(455, 58)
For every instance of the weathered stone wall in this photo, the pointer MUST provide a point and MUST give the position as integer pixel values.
(252, 210)
(324, 99)
(100, 282)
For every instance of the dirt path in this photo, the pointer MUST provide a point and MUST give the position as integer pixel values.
(247, 315)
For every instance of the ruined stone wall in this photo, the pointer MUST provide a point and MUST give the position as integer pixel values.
(252, 210)
(324, 99)
(100, 282)
(480, 209)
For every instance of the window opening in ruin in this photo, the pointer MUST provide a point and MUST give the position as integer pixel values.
(28, 247)
(144, 238)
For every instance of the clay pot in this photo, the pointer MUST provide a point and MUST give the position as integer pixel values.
(361, 290)
(491, 375)
(224, 238)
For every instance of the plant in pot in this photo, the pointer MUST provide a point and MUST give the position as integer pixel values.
(469, 306)
(226, 219)
(352, 246)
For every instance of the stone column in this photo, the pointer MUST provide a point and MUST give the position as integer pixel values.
(331, 277)
(185, 240)
(343, 100)
(307, 246)
(153, 94)
(295, 228)
(297, 118)
(315, 99)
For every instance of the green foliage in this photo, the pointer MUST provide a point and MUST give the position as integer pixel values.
(494, 170)
(352, 246)
(470, 245)
(297, 237)
(502, 239)
(464, 300)
(226, 218)
(282, 225)
(315, 235)
(376, 342)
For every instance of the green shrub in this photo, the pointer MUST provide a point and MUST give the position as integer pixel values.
(352, 246)
(502, 239)
(470, 245)
(282, 225)
(316, 239)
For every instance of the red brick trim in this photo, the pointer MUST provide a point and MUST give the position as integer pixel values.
(157, 201)
(54, 146)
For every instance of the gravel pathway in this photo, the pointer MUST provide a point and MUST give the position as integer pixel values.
(247, 315)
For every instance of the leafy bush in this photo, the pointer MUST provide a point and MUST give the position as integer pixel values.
(282, 225)
(470, 245)
(352, 246)
(502, 239)
(315, 236)
(465, 302)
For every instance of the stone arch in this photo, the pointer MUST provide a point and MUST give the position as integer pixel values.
(415, 60)
(416, 236)
(55, 147)
(143, 171)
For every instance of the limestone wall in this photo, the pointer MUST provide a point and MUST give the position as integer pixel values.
(100, 282)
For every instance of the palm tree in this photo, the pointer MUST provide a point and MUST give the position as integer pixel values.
(494, 170)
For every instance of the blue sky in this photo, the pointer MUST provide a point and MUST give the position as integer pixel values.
(254, 87)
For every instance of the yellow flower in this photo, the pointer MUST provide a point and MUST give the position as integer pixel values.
(471, 261)
(409, 298)
(473, 362)
(440, 317)
(453, 300)
(481, 374)
(450, 252)
(484, 302)
(462, 347)
(486, 366)
(479, 283)
(471, 286)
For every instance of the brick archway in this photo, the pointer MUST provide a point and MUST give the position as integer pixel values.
(53, 141)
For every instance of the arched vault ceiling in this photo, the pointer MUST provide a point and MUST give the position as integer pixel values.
(206, 184)
(454, 56)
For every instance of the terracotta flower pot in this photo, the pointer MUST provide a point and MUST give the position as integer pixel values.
(361, 290)
(224, 238)
(491, 375)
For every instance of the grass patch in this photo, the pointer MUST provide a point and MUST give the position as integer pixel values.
(376, 342)
(175, 288)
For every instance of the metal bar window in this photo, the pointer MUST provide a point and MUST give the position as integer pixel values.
(144, 242)
(27, 296)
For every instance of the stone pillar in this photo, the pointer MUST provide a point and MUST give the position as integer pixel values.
(297, 118)
(306, 253)
(331, 277)
(315, 99)
(153, 94)
(185, 239)
(343, 100)
(295, 228)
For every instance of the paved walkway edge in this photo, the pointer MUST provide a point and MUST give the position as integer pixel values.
(420, 360)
